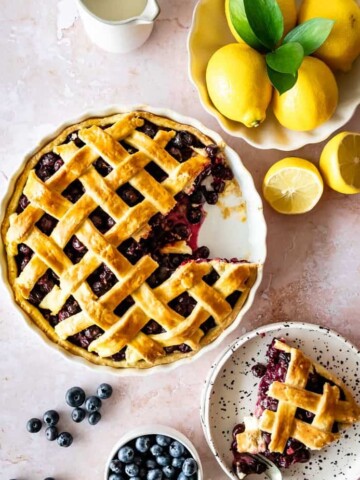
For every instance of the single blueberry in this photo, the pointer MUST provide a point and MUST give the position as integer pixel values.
(156, 450)
(169, 471)
(51, 418)
(65, 439)
(75, 397)
(51, 433)
(182, 477)
(78, 414)
(178, 462)
(114, 476)
(34, 425)
(155, 475)
(92, 404)
(131, 470)
(126, 454)
(116, 466)
(142, 444)
(190, 467)
(104, 391)
(163, 441)
(176, 449)
(163, 460)
(94, 418)
(150, 464)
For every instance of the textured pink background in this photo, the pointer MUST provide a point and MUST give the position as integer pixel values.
(51, 72)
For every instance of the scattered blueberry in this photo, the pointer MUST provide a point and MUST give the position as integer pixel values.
(142, 444)
(189, 467)
(92, 404)
(178, 462)
(154, 475)
(51, 418)
(94, 418)
(34, 425)
(151, 464)
(163, 441)
(78, 414)
(176, 449)
(51, 433)
(104, 391)
(65, 439)
(163, 460)
(116, 466)
(169, 471)
(156, 450)
(131, 470)
(126, 454)
(75, 397)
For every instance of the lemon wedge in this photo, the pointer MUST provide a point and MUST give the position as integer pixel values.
(292, 186)
(340, 163)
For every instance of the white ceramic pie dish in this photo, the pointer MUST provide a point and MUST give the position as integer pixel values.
(209, 31)
(154, 430)
(230, 378)
(248, 241)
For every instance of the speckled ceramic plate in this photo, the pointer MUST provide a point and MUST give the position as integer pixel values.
(230, 394)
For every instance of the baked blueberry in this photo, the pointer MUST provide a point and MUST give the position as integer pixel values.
(189, 467)
(131, 470)
(104, 391)
(51, 433)
(92, 404)
(155, 475)
(156, 450)
(163, 460)
(142, 444)
(51, 418)
(75, 397)
(34, 425)
(169, 471)
(65, 439)
(78, 414)
(176, 449)
(126, 454)
(94, 418)
(178, 462)
(163, 441)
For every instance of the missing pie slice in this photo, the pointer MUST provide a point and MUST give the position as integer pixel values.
(301, 406)
(101, 241)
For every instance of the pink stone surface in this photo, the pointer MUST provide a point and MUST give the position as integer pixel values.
(50, 72)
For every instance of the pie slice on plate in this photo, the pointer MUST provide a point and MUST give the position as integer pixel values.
(101, 241)
(301, 407)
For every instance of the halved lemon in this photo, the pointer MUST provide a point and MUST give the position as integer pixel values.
(340, 163)
(292, 186)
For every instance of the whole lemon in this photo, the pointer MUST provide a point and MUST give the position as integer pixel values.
(287, 7)
(311, 101)
(238, 84)
(342, 46)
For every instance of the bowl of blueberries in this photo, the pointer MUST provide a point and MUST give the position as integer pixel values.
(154, 452)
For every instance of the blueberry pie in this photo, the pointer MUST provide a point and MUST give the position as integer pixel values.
(101, 241)
(301, 406)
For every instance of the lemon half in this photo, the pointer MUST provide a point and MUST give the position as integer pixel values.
(293, 186)
(340, 163)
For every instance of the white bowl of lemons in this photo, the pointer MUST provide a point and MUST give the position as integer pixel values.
(291, 121)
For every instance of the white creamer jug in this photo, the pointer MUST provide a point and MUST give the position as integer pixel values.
(118, 26)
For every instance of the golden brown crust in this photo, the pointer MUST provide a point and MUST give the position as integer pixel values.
(143, 351)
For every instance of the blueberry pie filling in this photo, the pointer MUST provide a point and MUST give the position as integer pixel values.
(102, 241)
(300, 407)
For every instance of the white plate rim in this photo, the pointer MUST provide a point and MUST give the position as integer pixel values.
(224, 356)
(248, 186)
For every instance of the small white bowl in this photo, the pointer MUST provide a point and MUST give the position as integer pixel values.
(155, 430)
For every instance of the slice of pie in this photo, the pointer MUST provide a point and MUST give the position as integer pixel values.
(301, 407)
(101, 241)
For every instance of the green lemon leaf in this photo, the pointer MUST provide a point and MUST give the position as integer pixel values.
(286, 59)
(282, 81)
(266, 21)
(241, 24)
(311, 34)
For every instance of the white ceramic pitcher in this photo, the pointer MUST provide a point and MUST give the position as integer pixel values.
(121, 35)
